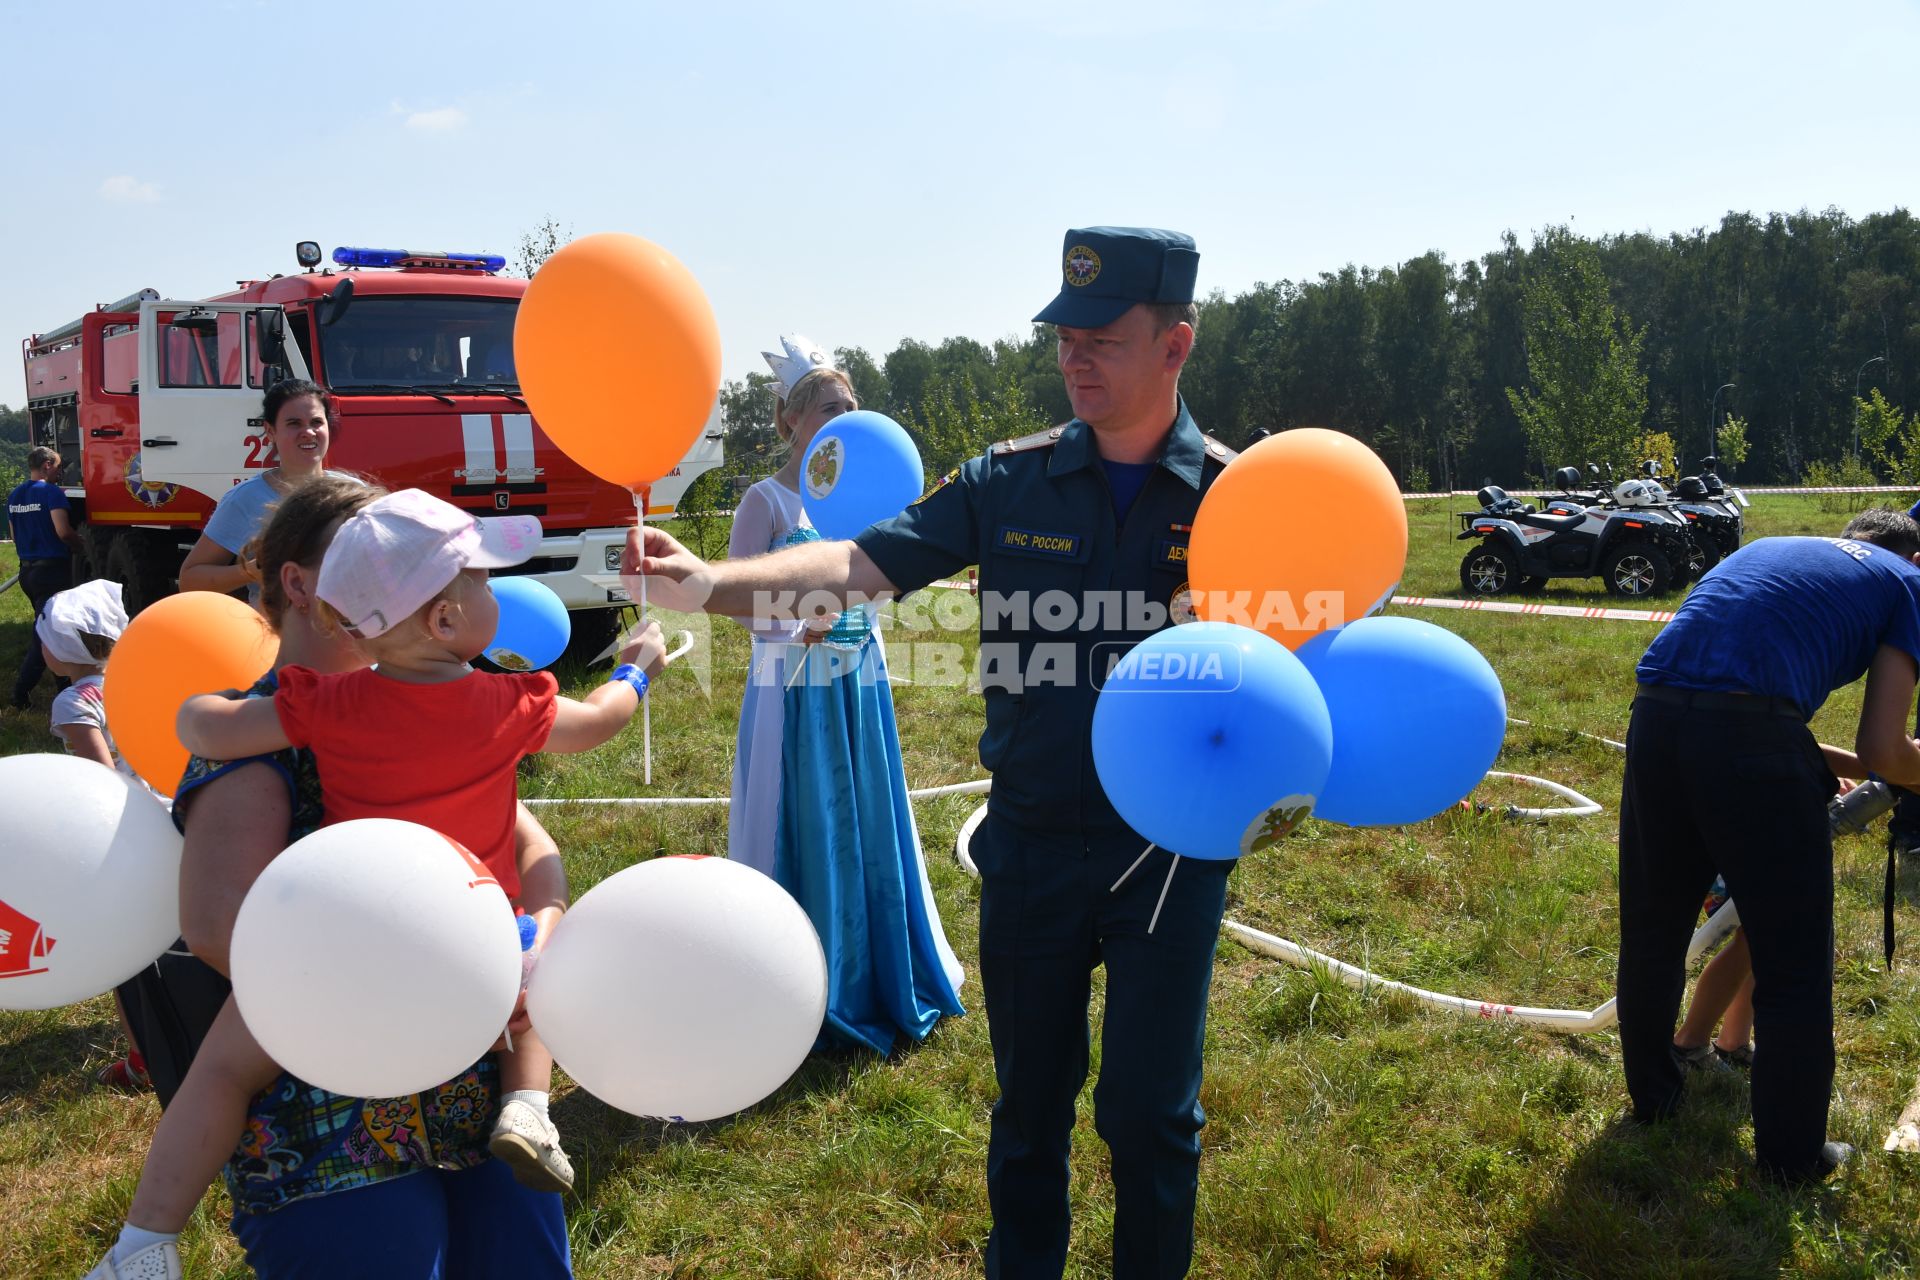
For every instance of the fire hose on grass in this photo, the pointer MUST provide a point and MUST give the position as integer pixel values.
(1849, 813)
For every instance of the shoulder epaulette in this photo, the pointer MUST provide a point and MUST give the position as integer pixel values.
(1038, 440)
(1219, 452)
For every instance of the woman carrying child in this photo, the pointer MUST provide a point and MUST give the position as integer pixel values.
(290, 1162)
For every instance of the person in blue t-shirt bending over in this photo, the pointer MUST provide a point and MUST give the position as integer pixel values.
(1903, 829)
(1723, 775)
(44, 537)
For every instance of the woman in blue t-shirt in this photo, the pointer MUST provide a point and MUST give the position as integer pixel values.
(299, 418)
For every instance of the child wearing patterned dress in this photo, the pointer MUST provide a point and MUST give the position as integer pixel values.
(406, 576)
(819, 794)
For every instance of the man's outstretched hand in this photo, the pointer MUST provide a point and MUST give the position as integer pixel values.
(676, 578)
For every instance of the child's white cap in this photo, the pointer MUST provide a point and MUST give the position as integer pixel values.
(400, 551)
(93, 607)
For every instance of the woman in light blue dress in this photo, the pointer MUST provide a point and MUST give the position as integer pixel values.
(819, 793)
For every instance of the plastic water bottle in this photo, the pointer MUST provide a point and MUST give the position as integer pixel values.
(529, 930)
(1851, 813)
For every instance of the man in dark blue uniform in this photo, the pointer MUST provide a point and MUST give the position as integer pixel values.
(1080, 533)
(44, 537)
(1723, 775)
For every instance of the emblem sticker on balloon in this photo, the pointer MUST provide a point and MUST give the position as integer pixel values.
(506, 659)
(1276, 824)
(823, 467)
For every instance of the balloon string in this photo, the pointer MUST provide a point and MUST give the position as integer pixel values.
(1171, 868)
(1135, 867)
(646, 704)
(800, 667)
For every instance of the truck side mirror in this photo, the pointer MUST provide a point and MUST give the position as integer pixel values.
(338, 301)
(271, 326)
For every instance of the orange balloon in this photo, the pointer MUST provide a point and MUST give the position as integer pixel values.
(194, 642)
(1303, 532)
(619, 356)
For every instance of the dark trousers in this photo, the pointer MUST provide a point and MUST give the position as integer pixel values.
(1905, 823)
(436, 1224)
(171, 1005)
(41, 580)
(1744, 794)
(1046, 919)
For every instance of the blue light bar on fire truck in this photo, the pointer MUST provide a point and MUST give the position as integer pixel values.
(348, 257)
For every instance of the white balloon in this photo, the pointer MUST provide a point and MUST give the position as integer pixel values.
(681, 988)
(89, 880)
(375, 958)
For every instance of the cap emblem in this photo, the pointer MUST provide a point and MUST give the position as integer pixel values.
(1083, 265)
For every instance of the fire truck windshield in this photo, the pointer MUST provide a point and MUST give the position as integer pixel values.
(442, 343)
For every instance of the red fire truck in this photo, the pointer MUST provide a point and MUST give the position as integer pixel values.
(154, 404)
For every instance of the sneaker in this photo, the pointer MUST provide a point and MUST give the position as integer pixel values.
(155, 1262)
(1701, 1061)
(530, 1145)
(125, 1077)
(1741, 1057)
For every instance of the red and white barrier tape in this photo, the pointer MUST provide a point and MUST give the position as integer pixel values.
(1482, 606)
(1554, 493)
(1547, 610)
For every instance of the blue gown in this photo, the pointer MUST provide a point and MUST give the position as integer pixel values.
(850, 855)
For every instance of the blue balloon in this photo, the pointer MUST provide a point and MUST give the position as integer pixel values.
(861, 468)
(1211, 740)
(534, 626)
(1418, 717)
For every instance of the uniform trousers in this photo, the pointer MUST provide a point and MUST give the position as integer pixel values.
(40, 581)
(1047, 918)
(1743, 793)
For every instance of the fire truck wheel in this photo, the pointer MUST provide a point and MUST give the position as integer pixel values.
(90, 561)
(1634, 569)
(146, 567)
(1489, 570)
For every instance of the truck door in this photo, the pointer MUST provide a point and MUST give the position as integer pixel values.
(708, 452)
(201, 381)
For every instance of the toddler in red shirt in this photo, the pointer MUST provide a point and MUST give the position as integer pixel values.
(422, 737)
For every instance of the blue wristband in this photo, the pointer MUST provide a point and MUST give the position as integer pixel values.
(627, 673)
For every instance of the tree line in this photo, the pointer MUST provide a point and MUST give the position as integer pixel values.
(1503, 368)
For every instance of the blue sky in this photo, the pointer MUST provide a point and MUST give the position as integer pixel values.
(866, 172)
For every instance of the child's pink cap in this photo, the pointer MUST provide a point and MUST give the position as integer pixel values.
(397, 553)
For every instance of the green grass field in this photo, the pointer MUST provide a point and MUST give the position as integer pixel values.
(1349, 1134)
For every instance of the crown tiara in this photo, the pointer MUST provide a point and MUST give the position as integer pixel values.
(801, 356)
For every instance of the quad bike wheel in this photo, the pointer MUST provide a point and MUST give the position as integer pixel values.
(1636, 569)
(1705, 554)
(1489, 570)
